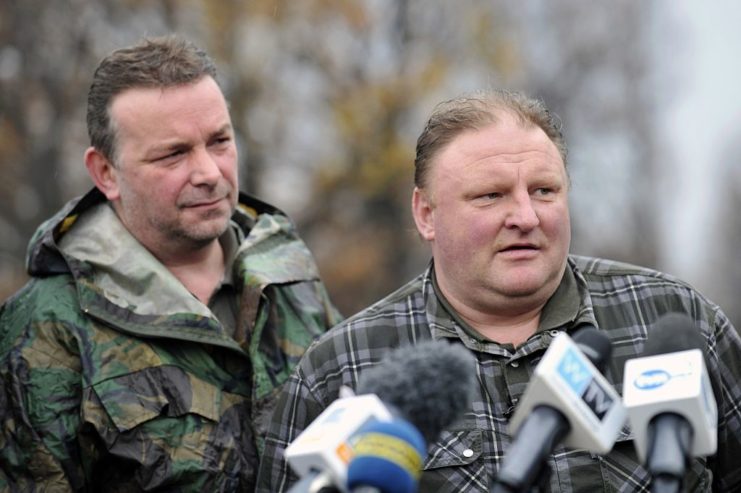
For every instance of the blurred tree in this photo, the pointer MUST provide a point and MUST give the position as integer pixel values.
(328, 98)
(592, 65)
(343, 89)
(48, 51)
(43, 63)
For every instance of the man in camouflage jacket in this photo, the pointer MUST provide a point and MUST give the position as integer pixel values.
(115, 375)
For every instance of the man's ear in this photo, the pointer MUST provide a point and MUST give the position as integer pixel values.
(422, 210)
(102, 172)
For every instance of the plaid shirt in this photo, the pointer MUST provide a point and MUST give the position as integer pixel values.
(621, 300)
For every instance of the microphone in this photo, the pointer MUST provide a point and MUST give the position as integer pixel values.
(671, 406)
(376, 440)
(567, 400)
(427, 386)
(320, 454)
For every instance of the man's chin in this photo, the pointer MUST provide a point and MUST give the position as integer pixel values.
(521, 288)
(204, 234)
(519, 292)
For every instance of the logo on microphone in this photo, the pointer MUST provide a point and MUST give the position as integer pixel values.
(574, 370)
(651, 379)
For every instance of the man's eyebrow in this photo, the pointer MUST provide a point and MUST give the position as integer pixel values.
(177, 144)
(226, 128)
(166, 147)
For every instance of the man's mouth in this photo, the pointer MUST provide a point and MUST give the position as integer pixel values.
(519, 246)
(204, 203)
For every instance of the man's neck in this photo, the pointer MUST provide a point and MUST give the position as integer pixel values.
(508, 321)
(512, 329)
(200, 270)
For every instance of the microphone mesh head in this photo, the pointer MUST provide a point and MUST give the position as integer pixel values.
(672, 333)
(595, 345)
(430, 383)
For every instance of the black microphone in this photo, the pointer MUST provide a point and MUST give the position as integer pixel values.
(670, 401)
(428, 386)
(567, 400)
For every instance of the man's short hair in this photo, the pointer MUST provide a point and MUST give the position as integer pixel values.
(474, 112)
(158, 62)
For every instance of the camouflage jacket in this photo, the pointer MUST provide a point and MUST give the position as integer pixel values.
(113, 377)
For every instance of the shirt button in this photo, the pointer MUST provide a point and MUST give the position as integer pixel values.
(468, 453)
(553, 332)
(515, 364)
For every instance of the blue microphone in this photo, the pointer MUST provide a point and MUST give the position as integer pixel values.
(388, 457)
(426, 387)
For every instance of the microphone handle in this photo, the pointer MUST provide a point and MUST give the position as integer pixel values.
(526, 460)
(315, 482)
(501, 488)
(670, 441)
(665, 484)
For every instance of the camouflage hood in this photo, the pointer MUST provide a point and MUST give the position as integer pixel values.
(123, 284)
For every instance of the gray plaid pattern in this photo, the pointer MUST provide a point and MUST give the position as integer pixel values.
(619, 299)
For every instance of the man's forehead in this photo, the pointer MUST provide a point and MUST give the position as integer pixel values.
(501, 140)
(155, 92)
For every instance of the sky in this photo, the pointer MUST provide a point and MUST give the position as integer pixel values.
(701, 117)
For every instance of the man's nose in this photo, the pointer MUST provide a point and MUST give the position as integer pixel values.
(521, 213)
(204, 168)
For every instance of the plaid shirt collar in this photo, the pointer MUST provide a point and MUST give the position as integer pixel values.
(570, 307)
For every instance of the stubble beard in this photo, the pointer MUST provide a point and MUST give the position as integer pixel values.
(201, 233)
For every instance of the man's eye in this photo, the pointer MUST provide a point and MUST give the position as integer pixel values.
(222, 140)
(491, 196)
(171, 155)
(543, 191)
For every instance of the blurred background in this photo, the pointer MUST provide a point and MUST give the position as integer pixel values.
(329, 96)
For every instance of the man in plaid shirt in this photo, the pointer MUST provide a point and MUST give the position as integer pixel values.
(491, 200)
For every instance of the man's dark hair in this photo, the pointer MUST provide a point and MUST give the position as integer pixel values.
(474, 112)
(152, 63)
